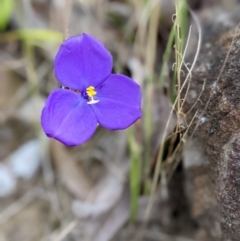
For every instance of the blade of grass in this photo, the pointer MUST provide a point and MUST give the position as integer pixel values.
(150, 54)
(181, 30)
(6, 10)
(166, 56)
(135, 173)
(33, 35)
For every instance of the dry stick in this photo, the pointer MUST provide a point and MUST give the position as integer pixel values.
(177, 148)
(196, 55)
(185, 50)
(177, 56)
(218, 78)
(190, 74)
(142, 23)
(68, 11)
(180, 69)
(66, 231)
(152, 40)
(198, 98)
(182, 62)
(48, 178)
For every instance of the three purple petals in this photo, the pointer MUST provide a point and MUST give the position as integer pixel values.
(89, 93)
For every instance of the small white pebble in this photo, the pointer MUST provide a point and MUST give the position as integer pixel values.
(203, 119)
(25, 161)
(7, 181)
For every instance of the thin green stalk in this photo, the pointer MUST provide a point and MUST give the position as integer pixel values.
(181, 23)
(166, 56)
(135, 173)
(147, 122)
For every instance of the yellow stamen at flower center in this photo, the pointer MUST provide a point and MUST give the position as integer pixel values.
(91, 91)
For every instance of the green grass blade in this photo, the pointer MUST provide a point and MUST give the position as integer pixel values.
(135, 173)
(6, 9)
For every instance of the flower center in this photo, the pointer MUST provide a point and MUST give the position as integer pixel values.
(90, 91)
(87, 94)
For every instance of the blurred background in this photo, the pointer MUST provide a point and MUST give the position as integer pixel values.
(120, 185)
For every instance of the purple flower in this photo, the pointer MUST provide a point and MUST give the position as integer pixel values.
(89, 93)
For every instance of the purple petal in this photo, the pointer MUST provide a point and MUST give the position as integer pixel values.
(115, 115)
(120, 88)
(119, 103)
(82, 61)
(68, 118)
